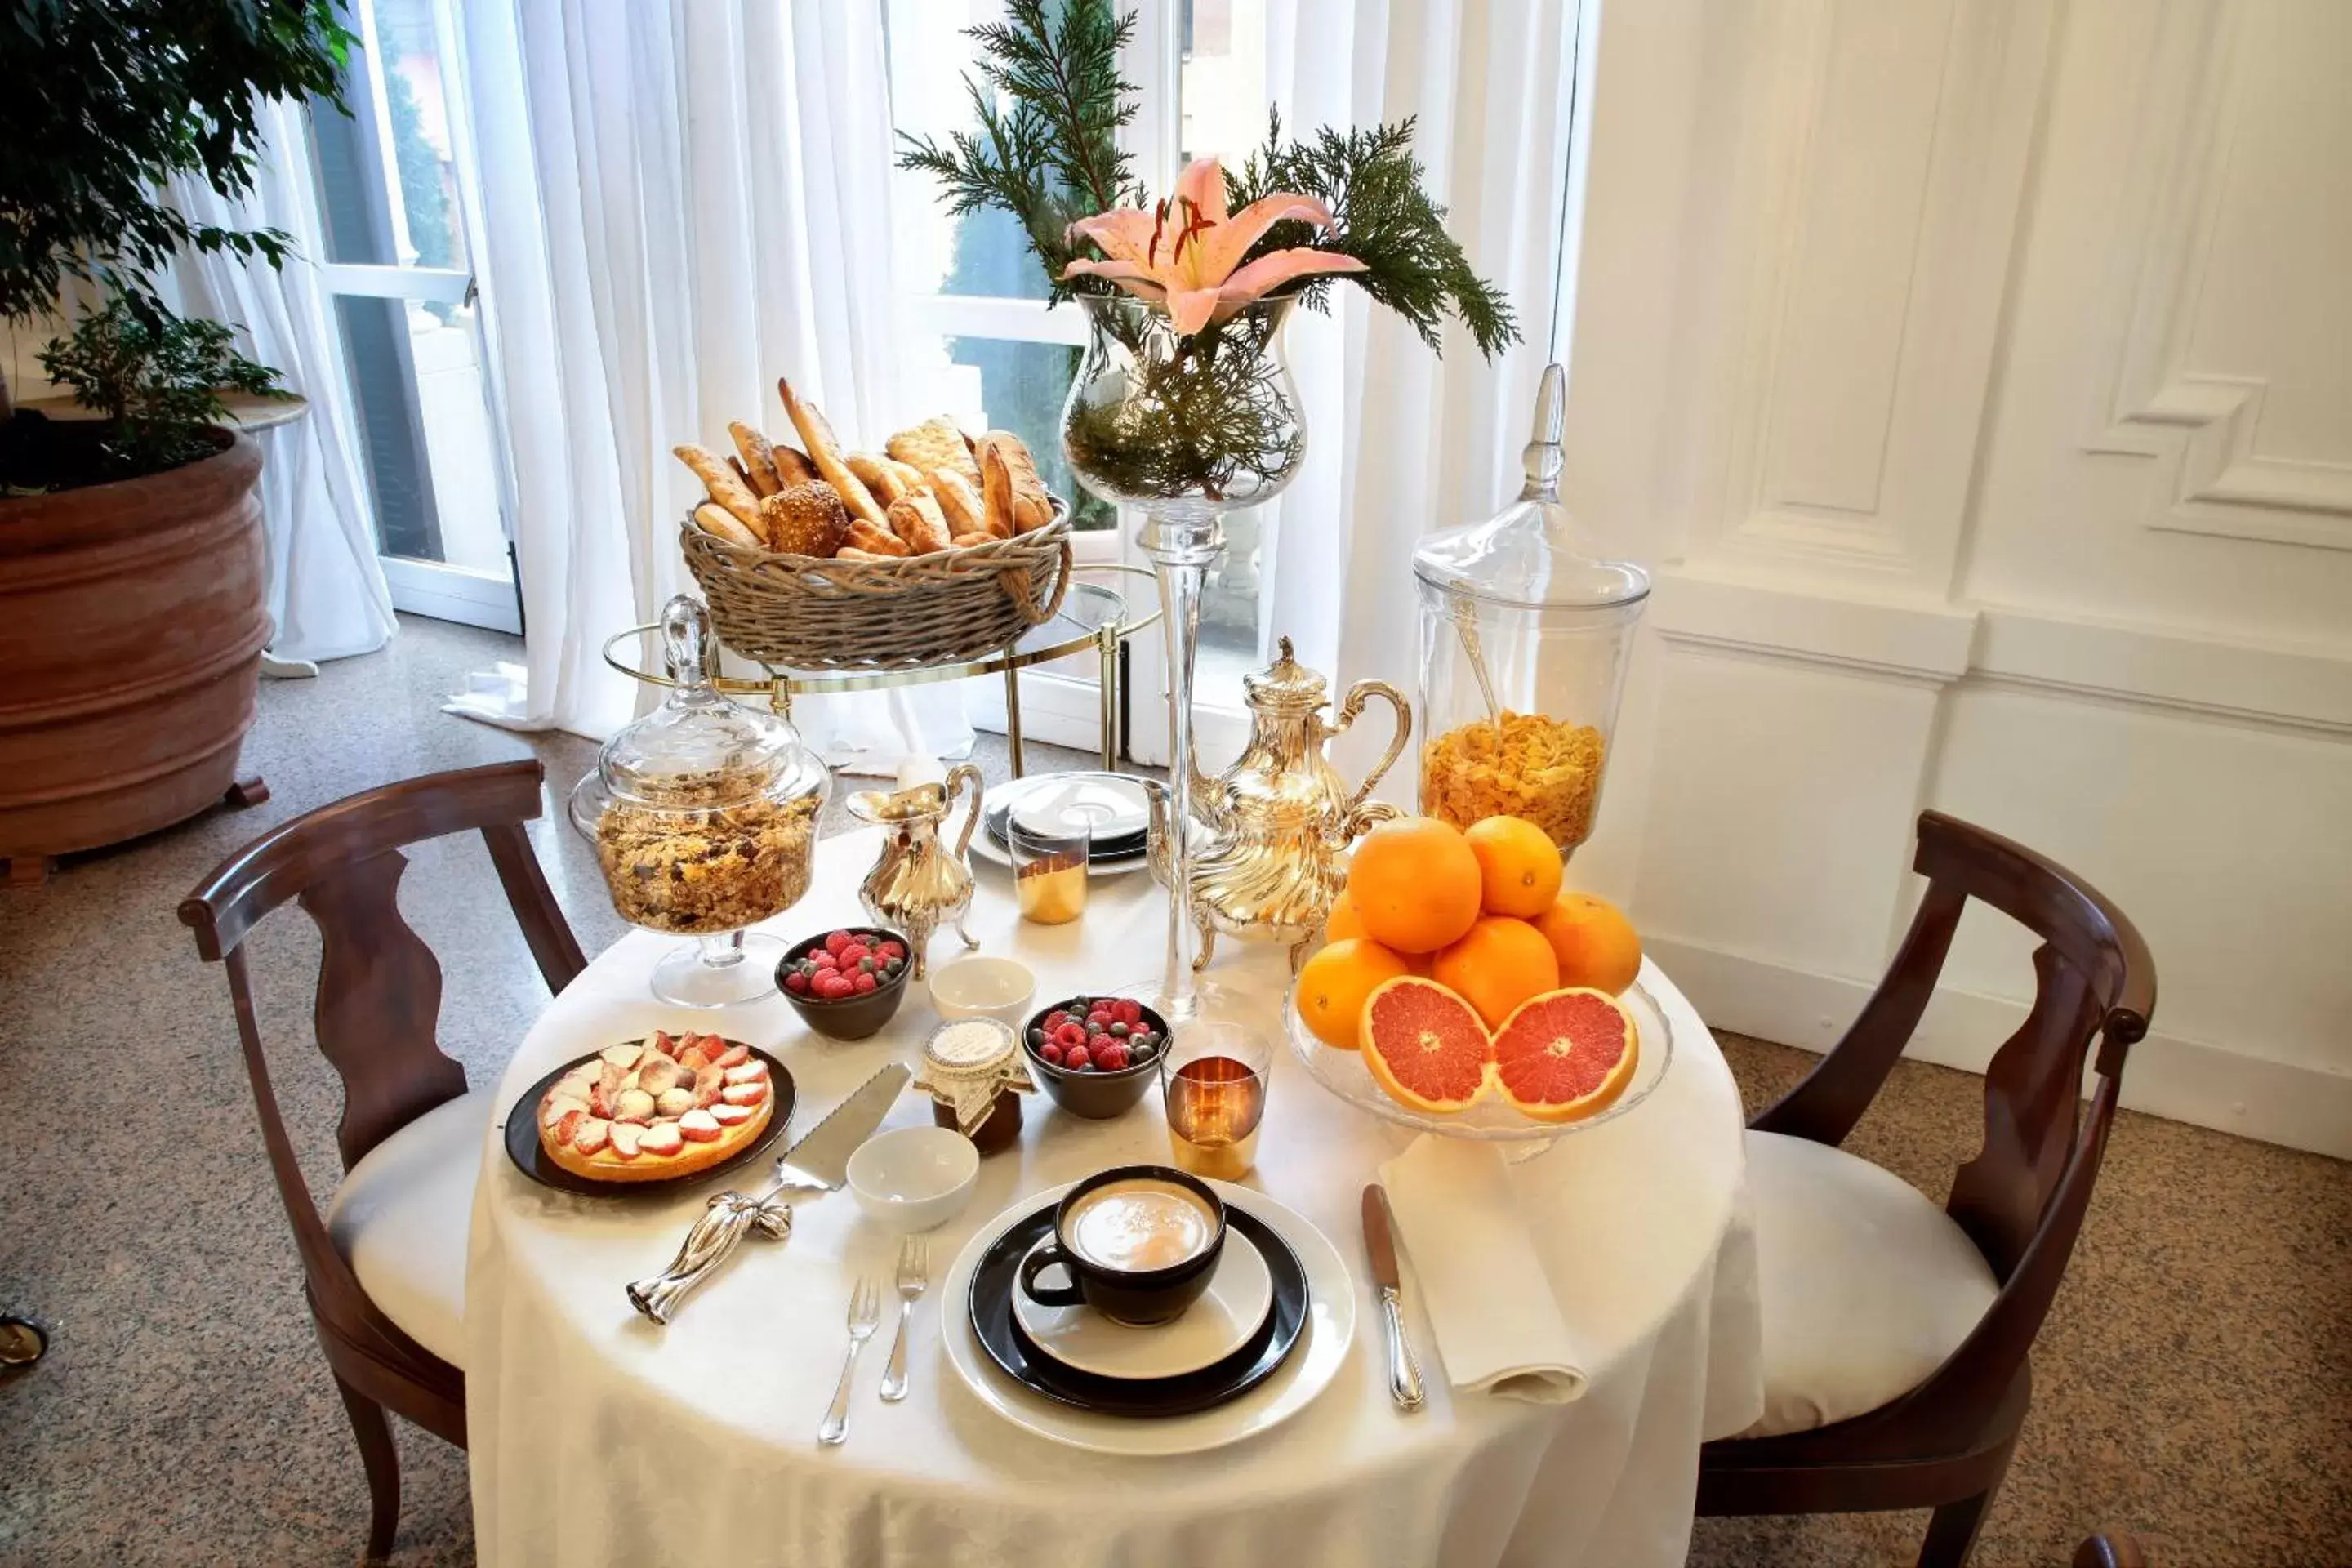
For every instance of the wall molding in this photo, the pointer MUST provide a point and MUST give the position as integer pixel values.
(1922, 643)
(2167, 1075)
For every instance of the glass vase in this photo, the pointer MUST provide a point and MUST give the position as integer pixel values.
(1183, 428)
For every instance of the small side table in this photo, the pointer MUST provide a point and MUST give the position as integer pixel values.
(1092, 616)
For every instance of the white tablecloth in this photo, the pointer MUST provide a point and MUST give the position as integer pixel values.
(597, 1438)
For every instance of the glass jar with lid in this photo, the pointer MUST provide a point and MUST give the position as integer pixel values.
(703, 814)
(1524, 643)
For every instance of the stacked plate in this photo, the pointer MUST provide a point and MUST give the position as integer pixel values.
(1262, 1342)
(1113, 806)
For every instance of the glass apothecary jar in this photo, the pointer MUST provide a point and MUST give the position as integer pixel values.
(1524, 643)
(703, 814)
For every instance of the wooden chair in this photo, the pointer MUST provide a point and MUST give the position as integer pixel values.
(410, 1134)
(2110, 1552)
(1940, 1438)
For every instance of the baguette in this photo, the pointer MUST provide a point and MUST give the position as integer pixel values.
(759, 454)
(851, 552)
(742, 475)
(915, 518)
(824, 451)
(966, 541)
(1032, 504)
(792, 465)
(721, 482)
(873, 540)
(720, 523)
(996, 492)
(879, 475)
(958, 502)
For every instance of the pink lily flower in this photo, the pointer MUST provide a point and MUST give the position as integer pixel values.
(1184, 253)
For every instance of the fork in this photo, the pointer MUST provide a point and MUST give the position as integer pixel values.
(914, 1273)
(865, 1317)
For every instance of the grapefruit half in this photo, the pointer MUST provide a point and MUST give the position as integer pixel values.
(1424, 1044)
(1564, 1055)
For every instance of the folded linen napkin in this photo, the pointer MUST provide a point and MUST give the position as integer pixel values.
(1498, 1325)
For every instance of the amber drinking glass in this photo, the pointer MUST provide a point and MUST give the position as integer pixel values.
(1213, 1076)
(1049, 869)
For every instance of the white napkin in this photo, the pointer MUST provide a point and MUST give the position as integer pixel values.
(1499, 1326)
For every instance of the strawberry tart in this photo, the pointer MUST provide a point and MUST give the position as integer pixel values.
(650, 1110)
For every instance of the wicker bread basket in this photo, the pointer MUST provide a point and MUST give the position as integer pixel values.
(806, 612)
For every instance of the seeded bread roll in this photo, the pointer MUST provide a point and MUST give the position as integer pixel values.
(806, 520)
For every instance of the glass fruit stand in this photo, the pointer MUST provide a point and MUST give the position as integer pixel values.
(1525, 639)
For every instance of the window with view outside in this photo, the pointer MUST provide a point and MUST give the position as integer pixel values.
(958, 266)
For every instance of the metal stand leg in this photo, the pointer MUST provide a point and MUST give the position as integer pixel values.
(1108, 687)
(1012, 719)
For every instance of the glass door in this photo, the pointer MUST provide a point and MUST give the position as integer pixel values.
(399, 268)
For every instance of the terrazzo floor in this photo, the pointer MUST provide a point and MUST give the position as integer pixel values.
(2194, 1383)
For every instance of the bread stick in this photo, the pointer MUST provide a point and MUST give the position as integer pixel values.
(724, 487)
(958, 504)
(824, 451)
(720, 523)
(879, 475)
(759, 456)
(995, 492)
(793, 467)
(875, 540)
(915, 518)
(1032, 504)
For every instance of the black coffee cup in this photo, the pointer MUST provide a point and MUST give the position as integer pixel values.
(1126, 1294)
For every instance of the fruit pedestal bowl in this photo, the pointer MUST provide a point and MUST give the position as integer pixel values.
(1489, 1119)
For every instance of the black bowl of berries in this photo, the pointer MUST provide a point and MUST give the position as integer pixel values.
(847, 983)
(1094, 1056)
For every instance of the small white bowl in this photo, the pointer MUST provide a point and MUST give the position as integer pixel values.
(978, 986)
(912, 1178)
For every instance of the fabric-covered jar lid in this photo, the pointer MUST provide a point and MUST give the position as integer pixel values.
(967, 1064)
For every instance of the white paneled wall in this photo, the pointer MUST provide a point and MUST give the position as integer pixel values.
(1978, 375)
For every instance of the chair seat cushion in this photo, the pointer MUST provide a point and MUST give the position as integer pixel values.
(401, 1219)
(1866, 1285)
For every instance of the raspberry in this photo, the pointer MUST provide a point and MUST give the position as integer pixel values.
(1051, 1053)
(1111, 1057)
(865, 983)
(822, 960)
(1057, 1018)
(1131, 1011)
(836, 942)
(1099, 1018)
(1071, 1035)
(1076, 1058)
(893, 950)
(796, 982)
(853, 955)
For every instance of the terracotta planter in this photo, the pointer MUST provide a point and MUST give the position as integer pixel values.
(130, 634)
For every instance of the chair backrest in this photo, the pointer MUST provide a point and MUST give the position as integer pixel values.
(379, 996)
(2023, 1198)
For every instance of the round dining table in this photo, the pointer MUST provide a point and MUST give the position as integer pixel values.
(597, 1436)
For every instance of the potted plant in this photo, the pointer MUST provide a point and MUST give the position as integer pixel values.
(131, 573)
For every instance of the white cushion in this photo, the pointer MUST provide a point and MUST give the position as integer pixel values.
(401, 1219)
(1866, 1285)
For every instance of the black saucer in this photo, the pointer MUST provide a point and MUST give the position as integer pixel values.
(1109, 850)
(1000, 1335)
(521, 1136)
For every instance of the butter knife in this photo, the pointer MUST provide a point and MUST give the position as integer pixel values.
(1379, 1247)
(818, 1163)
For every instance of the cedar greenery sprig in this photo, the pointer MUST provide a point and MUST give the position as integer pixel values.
(1051, 156)
(1382, 218)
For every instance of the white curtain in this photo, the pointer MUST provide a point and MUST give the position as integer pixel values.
(681, 201)
(1404, 442)
(327, 593)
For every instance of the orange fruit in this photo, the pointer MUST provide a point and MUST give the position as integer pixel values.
(1519, 866)
(1424, 1046)
(1342, 921)
(1334, 984)
(1564, 1055)
(1415, 884)
(1498, 964)
(1595, 943)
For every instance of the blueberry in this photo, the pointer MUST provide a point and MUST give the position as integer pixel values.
(1118, 1031)
(1036, 1037)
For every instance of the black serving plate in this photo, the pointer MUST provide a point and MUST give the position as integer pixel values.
(1113, 849)
(1000, 1335)
(521, 1131)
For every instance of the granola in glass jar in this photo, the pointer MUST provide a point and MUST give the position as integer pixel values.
(688, 866)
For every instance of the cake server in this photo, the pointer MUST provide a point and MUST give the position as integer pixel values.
(818, 1161)
(1379, 1248)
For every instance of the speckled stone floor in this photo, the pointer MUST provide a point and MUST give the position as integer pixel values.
(2194, 1383)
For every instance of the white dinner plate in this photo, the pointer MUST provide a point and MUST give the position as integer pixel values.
(1212, 1328)
(1330, 1330)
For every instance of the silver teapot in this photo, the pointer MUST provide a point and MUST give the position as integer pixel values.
(919, 884)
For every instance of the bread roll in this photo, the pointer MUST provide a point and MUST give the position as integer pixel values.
(1032, 504)
(720, 523)
(915, 518)
(759, 454)
(722, 483)
(958, 502)
(880, 475)
(874, 540)
(806, 520)
(936, 444)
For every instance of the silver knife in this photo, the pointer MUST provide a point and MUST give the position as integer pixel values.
(817, 1162)
(1380, 1246)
